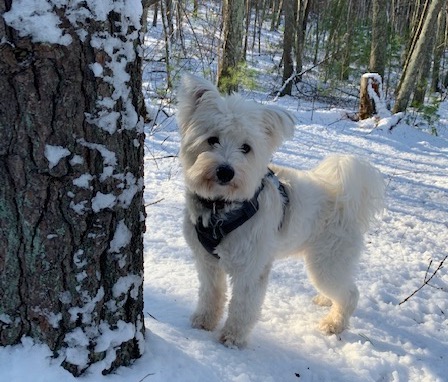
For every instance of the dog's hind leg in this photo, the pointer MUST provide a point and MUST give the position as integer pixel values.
(344, 304)
(245, 306)
(332, 277)
(321, 300)
(212, 295)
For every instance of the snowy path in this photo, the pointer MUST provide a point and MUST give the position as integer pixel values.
(386, 342)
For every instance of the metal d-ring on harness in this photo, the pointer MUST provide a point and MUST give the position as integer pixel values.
(221, 224)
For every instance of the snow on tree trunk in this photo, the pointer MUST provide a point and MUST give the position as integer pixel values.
(71, 164)
(371, 99)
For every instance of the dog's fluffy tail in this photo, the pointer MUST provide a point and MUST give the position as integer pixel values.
(357, 187)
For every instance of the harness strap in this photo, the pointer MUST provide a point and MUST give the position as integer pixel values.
(221, 224)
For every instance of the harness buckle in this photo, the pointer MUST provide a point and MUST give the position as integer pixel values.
(216, 227)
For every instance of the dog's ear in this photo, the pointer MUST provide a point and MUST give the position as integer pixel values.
(191, 92)
(278, 124)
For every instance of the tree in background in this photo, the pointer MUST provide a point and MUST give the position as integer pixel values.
(231, 55)
(289, 11)
(166, 7)
(380, 27)
(303, 9)
(439, 49)
(347, 39)
(276, 9)
(336, 41)
(416, 56)
(71, 164)
(423, 77)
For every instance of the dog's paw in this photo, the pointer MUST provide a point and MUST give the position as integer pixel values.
(331, 325)
(231, 339)
(203, 321)
(322, 300)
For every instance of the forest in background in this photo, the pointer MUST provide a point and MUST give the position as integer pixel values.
(316, 49)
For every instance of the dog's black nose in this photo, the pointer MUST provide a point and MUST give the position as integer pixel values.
(225, 173)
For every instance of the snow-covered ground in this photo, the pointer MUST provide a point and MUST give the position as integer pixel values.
(386, 342)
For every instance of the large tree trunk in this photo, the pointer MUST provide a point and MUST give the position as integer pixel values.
(416, 57)
(378, 50)
(439, 50)
(289, 12)
(425, 68)
(71, 167)
(232, 55)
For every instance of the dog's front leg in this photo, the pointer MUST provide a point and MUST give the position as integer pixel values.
(212, 294)
(248, 292)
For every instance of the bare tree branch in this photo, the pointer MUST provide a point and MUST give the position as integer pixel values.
(427, 280)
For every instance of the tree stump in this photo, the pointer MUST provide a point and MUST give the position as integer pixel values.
(371, 95)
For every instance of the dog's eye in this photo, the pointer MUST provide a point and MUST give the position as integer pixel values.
(245, 148)
(212, 141)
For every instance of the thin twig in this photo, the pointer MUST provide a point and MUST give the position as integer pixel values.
(164, 157)
(146, 376)
(427, 280)
(279, 92)
(295, 75)
(152, 203)
(150, 315)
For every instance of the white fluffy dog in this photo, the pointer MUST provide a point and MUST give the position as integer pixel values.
(243, 212)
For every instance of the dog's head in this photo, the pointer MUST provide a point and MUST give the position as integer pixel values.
(227, 142)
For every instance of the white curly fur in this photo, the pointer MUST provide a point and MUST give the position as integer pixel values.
(330, 208)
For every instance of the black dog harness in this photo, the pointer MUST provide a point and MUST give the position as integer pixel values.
(221, 224)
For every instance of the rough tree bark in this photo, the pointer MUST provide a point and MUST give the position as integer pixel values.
(71, 167)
